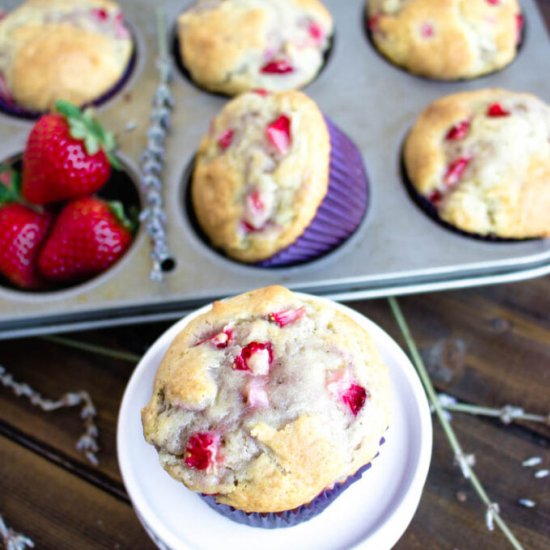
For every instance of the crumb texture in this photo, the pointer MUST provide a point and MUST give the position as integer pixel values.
(483, 160)
(267, 400)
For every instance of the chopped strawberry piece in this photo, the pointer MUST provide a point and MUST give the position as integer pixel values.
(222, 339)
(496, 110)
(100, 14)
(256, 395)
(226, 139)
(458, 131)
(520, 21)
(435, 197)
(287, 316)
(255, 357)
(456, 170)
(372, 23)
(261, 91)
(277, 66)
(426, 30)
(278, 134)
(254, 201)
(493, 2)
(201, 451)
(315, 31)
(355, 397)
(247, 227)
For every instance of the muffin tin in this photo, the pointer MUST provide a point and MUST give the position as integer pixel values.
(398, 249)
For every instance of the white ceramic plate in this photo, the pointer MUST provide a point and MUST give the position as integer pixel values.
(371, 514)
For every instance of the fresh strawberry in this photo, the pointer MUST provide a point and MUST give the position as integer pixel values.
(201, 451)
(255, 357)
(23, 231)
(88, 237)
(68, 155)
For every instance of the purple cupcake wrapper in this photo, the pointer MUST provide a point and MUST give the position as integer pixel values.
(9, 107)
(340, 212)
(292, 517)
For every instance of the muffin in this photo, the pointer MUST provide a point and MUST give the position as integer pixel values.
(446, 39)
(268, 402)
(234, 46)
(482, 161)
(276, 183)
(75, 50)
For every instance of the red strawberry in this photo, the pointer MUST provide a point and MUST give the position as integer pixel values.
(435, 197)
(201, 451)
(278, 134)
(355, 397)
(458, 131)
(68, 155)
(220, 340)
(455, 170)
(255, 357)
(226, 138)
(23, 230)
(88, 237)
(520, 21)
(277, 66)
(497, 110)
(287, 316)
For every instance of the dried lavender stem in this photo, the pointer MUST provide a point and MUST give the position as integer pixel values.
(518, 413)
(92, 348)
(468, 472)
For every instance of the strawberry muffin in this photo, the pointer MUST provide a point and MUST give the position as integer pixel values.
(76, 50)
(481, 160)
(233, 46)
(446, 39)
(269, 402)
(275, 183)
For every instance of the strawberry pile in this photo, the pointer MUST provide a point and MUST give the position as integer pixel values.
(55, 231)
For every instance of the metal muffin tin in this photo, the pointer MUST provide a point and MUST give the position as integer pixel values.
(396, 250)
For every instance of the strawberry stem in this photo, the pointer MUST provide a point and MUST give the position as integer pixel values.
(10, 191)
(84, 127)
(128, 222)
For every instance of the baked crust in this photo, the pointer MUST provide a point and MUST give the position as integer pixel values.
(224, 45)
(291, 185)
(504, 190)
(59, 49)
(281, 456)
(446, 39)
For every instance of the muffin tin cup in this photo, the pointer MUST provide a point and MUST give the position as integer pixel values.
(396, 249)
(340, 212)
(372, 512)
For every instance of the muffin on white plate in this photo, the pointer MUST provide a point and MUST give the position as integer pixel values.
(270, 402)
(481, 159)
(233, 46)
(76, 50)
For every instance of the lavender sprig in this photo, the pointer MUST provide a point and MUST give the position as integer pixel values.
(87, 443)
(13, 540)
(465, 462)
(152, 160)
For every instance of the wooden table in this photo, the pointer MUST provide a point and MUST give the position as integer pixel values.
(486, 346)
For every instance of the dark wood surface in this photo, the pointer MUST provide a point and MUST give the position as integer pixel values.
(486, 346)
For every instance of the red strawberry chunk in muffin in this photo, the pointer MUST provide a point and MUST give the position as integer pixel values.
(493, 2)
(435, 197)
(255, 357)
(278, 134)
(100, 14)
(342, 387)
(256, 394)
(520, 21)
(286, 317)
(458, 131)
(256, 213)
(201, 451)
(355, 397)
(427, 30)
(222, 339)
(497, 110)
(372, 23)
(226, 139)
(455, 171)
(277, 66)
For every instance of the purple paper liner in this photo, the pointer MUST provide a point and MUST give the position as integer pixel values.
(9, 107)
(340, 212)
(288, 518)
(431, 211)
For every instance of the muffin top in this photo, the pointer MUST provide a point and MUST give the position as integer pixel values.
(446, 39)
(232, 46)
(267, 400)
(260, 173)
(62, 49)
(483, 160)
